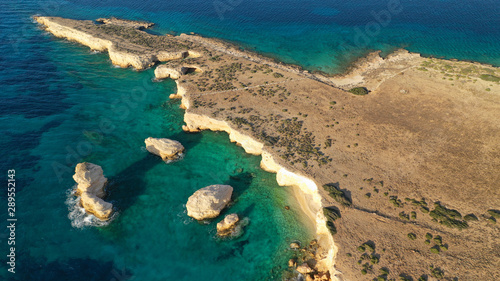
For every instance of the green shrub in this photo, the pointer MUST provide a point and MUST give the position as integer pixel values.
(384, 271)
(438, 240)
(370, 247)
(448, 217)
(381, 278)
(404, 216)
(363, 271)
(374, 259)
(443, 247)
(471, 217)
(361, 249)
(436, 272)
(435, 250)
(424, 210)
(492, 220)
(427, 241)
(413, 215)
(396, 202)
(337, 194)
(428, 236)
(331, 215)
(489, 77)
(494, 213)
(360, 91)
(368, 195)
(412, 236)
(422, 278)
(277, 75)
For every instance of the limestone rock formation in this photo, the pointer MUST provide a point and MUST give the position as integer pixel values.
(227, 225)
(207, 203)
(127, 23)
(96, 206)
(90, 178)
(304, 268)
(165, 71)
(91, 183)
(165, 148)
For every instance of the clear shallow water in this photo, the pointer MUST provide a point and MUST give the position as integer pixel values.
(56, 97)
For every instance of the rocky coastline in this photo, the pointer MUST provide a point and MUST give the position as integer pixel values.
(344, 152)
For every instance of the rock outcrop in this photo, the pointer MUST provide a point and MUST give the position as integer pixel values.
(227, 225)
(307, 193)
(127, 23)
(90, 178)
(208, 202)
(91, 183)
(96, 206)
(304, 268)
(165, 148)
(165, 71)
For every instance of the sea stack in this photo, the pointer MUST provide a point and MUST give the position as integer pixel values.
(227, 226)
(165, 148)
(91, 183)
(208, 202)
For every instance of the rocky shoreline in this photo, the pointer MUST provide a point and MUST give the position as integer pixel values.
(411, 134)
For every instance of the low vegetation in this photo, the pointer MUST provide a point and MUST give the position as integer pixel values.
(359, 91)
(337, 194)
(448, 217)
(489, 77)
(436, 272)
(471, 217)
(331, 215)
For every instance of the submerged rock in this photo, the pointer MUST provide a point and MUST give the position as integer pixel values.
(165, 148)
(208, 202)
(227, 225)
(91, 183)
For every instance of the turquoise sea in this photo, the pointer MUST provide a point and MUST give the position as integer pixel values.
(62, 104)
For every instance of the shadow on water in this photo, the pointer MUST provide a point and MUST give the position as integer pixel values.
(240, 183)
(125, 187)
(188, 140)
(129, 184)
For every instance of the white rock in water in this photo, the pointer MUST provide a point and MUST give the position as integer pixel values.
(96, 206)
(208, 202)
(226, 226)
(165, 148)
(91, 183)
(90, 178)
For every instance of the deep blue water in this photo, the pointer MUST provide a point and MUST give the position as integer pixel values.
(55, 96)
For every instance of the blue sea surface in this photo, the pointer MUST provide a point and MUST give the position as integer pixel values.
(62, 104)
